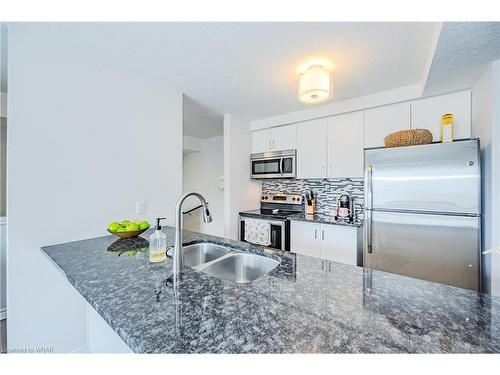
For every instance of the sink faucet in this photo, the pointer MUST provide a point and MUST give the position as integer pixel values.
(207, 218)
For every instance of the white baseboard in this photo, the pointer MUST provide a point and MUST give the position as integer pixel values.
(3, 314)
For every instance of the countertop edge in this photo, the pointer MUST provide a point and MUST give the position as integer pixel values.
(81, 291)
(320, 220)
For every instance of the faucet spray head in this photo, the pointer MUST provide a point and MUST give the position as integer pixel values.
(207, 217)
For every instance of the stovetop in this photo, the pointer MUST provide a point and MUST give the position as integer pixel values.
(277, 206)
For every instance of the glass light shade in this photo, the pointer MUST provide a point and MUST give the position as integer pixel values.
(315, 84)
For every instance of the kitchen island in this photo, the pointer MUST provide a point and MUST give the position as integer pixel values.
(305, 305)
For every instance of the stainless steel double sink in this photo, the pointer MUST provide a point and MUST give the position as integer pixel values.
(227, 263)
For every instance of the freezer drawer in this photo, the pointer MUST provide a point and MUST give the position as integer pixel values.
(439, 248)
(435, 177)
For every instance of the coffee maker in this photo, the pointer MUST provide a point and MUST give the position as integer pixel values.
(345, 208)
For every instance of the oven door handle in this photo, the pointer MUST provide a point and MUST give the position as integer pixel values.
(282, 163)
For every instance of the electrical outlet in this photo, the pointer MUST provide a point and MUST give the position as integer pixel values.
(140, 207)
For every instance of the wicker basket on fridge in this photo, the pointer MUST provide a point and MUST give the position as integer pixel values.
(408, 138)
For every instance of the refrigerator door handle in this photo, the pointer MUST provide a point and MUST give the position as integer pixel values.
(369, 204)
(369, 248)
(369, 187)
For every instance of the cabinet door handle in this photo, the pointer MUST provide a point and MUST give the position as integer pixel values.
(330, 172)
(269, 145)
(315, 234)
(273, 144)
(324, 170)
(323, 235)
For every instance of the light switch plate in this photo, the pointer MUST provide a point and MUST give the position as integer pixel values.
(140, 207)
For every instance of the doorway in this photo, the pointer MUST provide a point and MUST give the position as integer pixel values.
(203, 165)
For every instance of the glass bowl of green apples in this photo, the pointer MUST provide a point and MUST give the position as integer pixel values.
(127, 228)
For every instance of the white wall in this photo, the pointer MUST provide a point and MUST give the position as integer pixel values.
(3, 104)
(191, 144)
(201, 173)
(3, 220)
(3, 268)
(240, 192)
(485, 126)
(85, 141)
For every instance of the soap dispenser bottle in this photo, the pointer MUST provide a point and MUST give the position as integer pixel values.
(158, 244)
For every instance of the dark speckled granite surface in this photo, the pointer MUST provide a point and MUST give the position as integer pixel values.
(306, 305)
(324, 219)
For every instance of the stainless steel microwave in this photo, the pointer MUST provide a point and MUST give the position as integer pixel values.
(274, 164)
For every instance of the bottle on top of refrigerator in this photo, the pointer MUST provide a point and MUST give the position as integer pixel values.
(447, 128)
(158, 244)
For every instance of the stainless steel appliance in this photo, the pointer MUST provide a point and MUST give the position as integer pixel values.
(274, 210)
(346, 208)
(422, 212)
(275, 164)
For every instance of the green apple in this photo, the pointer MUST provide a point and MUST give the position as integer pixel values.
(125, 222)
(121, 229)
(144, 225)
(114, 226)
(130, 227)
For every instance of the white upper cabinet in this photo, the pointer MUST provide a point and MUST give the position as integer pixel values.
(345, 145)
(261, 140)
(311, 149)
(275, 139)
(284, 137)
(426, 114)
(381, 121)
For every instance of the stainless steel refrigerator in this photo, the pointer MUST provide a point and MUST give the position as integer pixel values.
(423, 212)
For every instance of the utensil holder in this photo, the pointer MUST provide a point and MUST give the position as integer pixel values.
(311, 208)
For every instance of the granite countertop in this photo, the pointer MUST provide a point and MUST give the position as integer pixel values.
(324, 219)
(314, 218)
(305, 305)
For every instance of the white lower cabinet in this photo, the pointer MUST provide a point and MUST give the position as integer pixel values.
(339, 243)
(305, 238)
(327, 241)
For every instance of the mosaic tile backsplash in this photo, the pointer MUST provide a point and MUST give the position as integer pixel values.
(327, 191)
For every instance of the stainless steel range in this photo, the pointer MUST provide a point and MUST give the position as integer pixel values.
(269, 225)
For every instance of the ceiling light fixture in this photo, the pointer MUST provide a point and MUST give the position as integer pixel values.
(315, 81)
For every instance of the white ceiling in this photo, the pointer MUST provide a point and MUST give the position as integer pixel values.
(200, 121)
(249, 68)
(463, 52)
